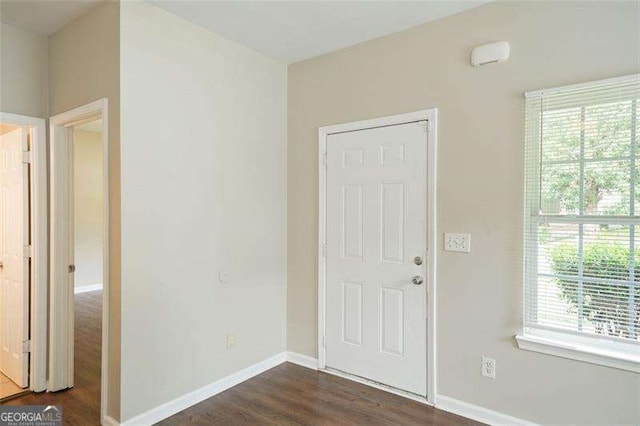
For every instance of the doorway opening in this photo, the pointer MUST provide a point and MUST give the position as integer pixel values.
(23, 260)
(376, 253)
(86, 257)
(79, 266)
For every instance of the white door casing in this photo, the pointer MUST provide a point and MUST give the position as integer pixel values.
(376, 225)
(61, 325)
(14, 255)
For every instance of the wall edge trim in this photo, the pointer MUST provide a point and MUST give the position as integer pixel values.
(109, 421)
(87, 288)
(189, 399)
(478, 413)
(302, 360)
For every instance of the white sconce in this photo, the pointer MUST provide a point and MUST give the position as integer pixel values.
(490, 53)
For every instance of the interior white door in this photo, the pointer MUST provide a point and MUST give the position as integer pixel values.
(376, 246)
(14, 292)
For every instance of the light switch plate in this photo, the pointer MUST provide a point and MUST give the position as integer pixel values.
(231, 340)
(457, 242)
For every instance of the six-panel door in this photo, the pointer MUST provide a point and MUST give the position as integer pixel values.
(14, 236)
(376, 227)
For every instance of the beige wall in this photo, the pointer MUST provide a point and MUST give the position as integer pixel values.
(203, 191)
(84, 64)
(480, 172)
(88, 207)
(23, 72)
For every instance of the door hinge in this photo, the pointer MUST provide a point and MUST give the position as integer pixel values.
(26, 157)
(324, 250)
(323, 160)
(27, 251)
(26, 346)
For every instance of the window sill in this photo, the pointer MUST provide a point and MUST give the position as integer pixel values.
(622, 360)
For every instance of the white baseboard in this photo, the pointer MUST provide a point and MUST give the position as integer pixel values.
(183, 402)
(442, 402)
(109, 421)
(477, 413)
(86, 288)
(302, 360)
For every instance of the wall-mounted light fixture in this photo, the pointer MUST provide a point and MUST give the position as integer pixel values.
(490, 53)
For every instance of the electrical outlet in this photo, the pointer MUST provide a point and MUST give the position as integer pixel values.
(457, 242)
(489, 367)
(231, 340)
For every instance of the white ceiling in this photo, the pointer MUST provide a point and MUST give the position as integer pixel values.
(290, 31)
(43, 17)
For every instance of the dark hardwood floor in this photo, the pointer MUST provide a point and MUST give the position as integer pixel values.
(292, 395)
(285, 395)
(81, 404)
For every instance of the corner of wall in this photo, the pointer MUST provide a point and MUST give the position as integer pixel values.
(84, 66)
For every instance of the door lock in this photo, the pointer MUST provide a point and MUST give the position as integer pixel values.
(417, 260)
(417, 280)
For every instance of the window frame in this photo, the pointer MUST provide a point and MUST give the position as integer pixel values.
(577, 345)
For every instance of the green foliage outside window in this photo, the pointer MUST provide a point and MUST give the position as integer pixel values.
(605, 305)
(606, 131)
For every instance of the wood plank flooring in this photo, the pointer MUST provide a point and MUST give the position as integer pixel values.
(8, 389)
(81, 404)
(292, 395)
(285, 395)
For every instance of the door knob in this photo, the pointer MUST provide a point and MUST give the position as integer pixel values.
(72, 269)
(417, 280)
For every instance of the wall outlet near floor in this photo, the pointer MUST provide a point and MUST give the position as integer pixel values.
(489, 367)
(457, 242)
(231, 340)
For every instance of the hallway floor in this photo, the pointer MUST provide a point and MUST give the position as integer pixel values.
(8, 388)
(81, 404)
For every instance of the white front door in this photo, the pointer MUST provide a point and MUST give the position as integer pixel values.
(14, 274)
(376, 249)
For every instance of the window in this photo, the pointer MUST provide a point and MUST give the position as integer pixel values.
(582, 222)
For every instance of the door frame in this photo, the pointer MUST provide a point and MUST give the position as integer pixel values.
(431, 116)
(61, 363)
(39, 234)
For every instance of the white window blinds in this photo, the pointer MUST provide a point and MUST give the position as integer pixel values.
(582, 212)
